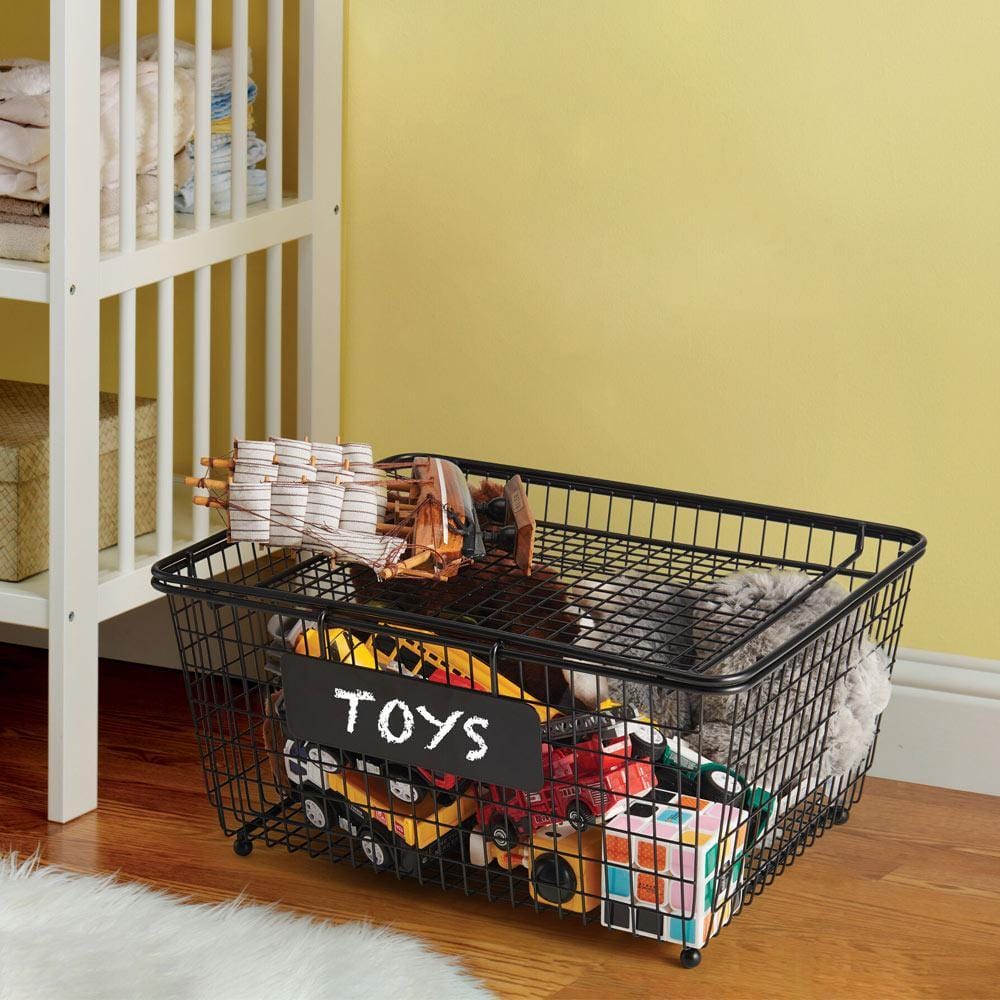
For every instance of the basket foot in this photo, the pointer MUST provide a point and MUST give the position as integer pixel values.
(690, 958)
(242, 846)
(840, 815)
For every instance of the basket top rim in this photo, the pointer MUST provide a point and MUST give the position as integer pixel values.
(178, 574)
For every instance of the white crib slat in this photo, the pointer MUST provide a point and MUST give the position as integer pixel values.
(241, 40)
(126, 133)
(126, 431)
(238, 290)
(202, 383)
(272, 342)
(165, 288)
(203, 115)
(275, 100)
(318, 334)
(165, 124)
(165, 417)
(238, 349)
(202, 221)
(273, 290)
(126, 301)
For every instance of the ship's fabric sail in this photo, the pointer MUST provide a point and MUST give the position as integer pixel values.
(323, 511)
(358, 454)
(361, 505)
(300, 494)
(250, 512)
(327, 454)
(247, 471)
(288, 512)
(373, 550)
(294, 460)
(255, 451)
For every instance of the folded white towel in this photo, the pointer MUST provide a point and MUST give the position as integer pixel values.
(23, 140)
(26, 109)
(19, 242)
(18, 183)
(31, 77)
(222, 151)
(23, 77)
(222, 192)
(148, 47)
(22, 146)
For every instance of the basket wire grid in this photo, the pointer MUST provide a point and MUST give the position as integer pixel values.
(622, 590)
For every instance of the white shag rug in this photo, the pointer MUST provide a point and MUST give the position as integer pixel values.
(79, 937)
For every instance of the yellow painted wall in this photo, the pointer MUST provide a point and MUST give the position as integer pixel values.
(743, 249)
(749, 250)
(24, 326)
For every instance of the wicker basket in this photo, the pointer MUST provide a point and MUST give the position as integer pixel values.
(24, 475)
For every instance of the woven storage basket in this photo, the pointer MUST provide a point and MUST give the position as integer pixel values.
(24, 475)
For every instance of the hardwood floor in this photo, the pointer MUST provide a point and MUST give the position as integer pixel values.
(903, 901)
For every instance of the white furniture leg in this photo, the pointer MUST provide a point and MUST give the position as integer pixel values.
(321, 69)
(74, 350)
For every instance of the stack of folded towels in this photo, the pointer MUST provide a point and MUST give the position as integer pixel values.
(24, 146)
(222, 133)
(24, 153)
(147, 49)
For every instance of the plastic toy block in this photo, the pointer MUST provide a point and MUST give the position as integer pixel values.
(673, 845)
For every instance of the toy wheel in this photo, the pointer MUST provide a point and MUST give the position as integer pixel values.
(403, 788)
(647, 741)
(503, 833)
(309, 763)
(376, 849)
(690, 958)
(477, 849)
(728, 786)
(580, 815)
(318, 814)
(242, 846)
(553, 879)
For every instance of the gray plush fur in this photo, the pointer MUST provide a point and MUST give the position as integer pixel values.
(814, 717)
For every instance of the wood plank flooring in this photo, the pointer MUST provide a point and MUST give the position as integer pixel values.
(903, 901)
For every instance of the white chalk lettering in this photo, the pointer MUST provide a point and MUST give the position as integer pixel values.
(354, 697)
(444, 728)
(470, 730)
(383, 721)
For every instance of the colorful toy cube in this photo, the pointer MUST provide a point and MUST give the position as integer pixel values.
(669, 862)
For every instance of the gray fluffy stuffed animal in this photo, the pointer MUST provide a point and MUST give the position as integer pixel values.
(812, 718)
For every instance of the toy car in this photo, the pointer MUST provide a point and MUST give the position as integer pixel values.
(361, 805)
(563, 865)
(611, 719)
(584, 782)
(685, 771)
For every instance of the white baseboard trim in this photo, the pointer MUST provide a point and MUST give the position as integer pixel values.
(942, 725)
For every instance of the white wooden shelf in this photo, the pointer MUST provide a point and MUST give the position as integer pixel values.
(154, 260)
(27, 602)
(24, 282)
(189, 250)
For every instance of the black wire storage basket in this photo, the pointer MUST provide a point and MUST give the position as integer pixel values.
(643, 733)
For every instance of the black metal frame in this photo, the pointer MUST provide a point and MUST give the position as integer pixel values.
(640, 559)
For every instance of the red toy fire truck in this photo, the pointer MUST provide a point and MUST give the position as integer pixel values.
(584, 782)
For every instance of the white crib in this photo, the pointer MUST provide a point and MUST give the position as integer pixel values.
(83, 587)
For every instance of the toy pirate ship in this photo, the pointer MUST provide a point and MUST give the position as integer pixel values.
(414, 519)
